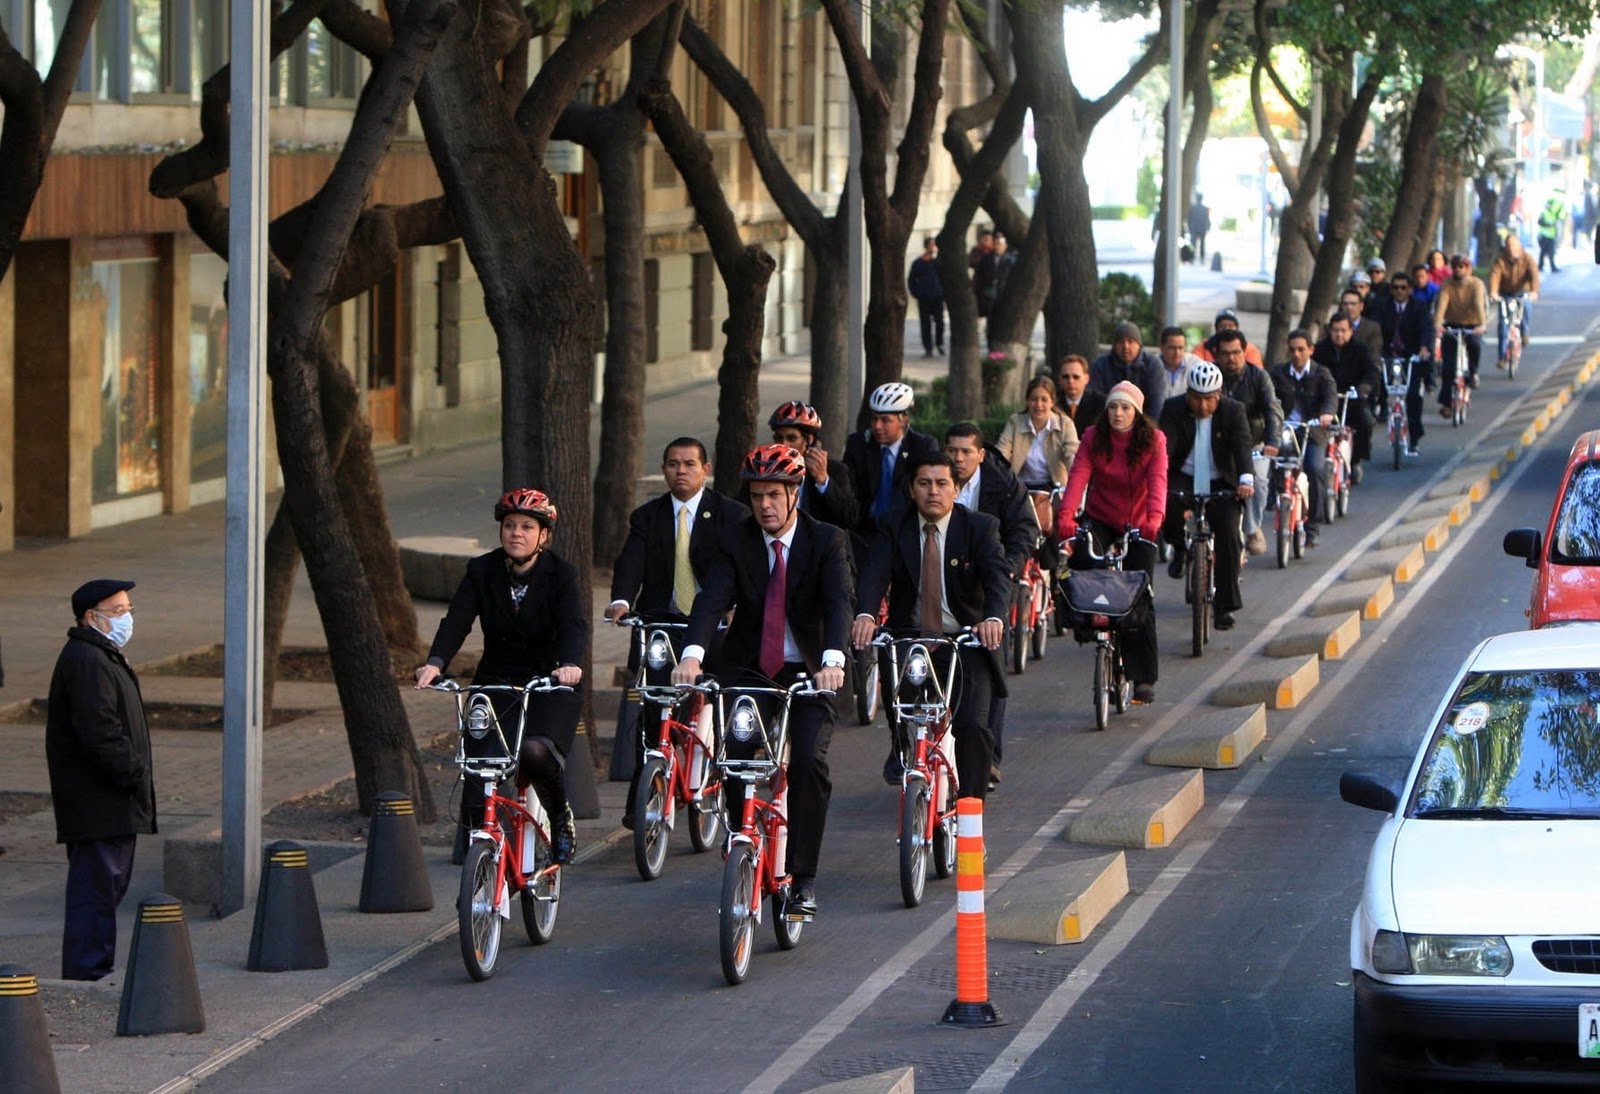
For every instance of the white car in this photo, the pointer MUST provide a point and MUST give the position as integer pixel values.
(1475, 951)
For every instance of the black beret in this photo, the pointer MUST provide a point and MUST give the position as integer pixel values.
(93, 592)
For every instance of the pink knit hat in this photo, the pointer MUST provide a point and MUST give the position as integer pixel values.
(1127, 392)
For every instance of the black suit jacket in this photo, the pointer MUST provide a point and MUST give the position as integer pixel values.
(863, 459)
(1090, 407)
(1002, 496)
(643, 571)
(816, 596)
(977, 581)
(1230, 437)
(1312, 396)
(549, 628)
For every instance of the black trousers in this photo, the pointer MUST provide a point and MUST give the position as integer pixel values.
(1421, 376)
(1451, 353)
(1137, 634)
(98, 872)
(930, 313)
(1226, 543)
(970, 724)
(811, 723)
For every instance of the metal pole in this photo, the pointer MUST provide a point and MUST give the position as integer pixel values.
(1177, 199)
(1261, 205)
(857, 242)
(247, 323)
(1539, 141)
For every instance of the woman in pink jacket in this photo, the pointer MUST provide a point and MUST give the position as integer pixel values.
(1122, 465)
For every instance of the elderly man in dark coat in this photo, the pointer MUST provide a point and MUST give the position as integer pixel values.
(98, 749)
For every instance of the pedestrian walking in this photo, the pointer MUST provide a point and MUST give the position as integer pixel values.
(1199, 225)
(1551, 218)
(97, 746)
(925, 287)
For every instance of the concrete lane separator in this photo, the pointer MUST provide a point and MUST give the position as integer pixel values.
(1057, 905)
(1326, 636)
(1279, 683)
(1400, 564)
(1432, 532)
(1215, 738)
(897, 1080)
(1371, 597)
(1455, 510)
(1145, 814)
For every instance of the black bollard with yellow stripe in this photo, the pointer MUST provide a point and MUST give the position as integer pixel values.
(160, 993)
(287, 933)
(394, 878)
(26, 1064)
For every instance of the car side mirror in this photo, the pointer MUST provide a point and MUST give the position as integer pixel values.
(1524, 543)
(1368, 791)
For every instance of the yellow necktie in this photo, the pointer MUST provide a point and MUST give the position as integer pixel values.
(682, 572)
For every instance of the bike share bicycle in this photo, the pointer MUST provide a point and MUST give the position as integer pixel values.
(1200, 573)
(510, 851)
(927, 676)
(1337, 469)
(1032, 607)
(1099, 600)
(1512, 311)
(1455, 338)
(754, 868)
(1291, 492)
(1398, 372)
(678, 770)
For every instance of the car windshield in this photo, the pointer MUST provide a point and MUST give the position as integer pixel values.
(1576, 539)
(1516, 745)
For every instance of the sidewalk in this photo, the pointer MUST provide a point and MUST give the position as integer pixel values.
(178, 564)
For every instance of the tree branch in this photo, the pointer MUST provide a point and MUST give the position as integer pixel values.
(911, 165)
(1092, 112)
(357, 28)
(1264, 60)
(866, 85)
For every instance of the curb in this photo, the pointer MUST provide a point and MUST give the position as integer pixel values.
(1328, 637)
(1059, 904)
(1214, 738)
(1270, 682)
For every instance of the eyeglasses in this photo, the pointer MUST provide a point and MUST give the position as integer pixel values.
(116, 612)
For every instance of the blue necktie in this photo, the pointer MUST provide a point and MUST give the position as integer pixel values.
(880, 504)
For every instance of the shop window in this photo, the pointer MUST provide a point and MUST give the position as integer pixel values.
(150, 67)
(127, 458)
(208, 367)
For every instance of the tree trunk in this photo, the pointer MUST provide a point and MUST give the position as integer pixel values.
(830, 341)
(1488, 237)
(1403, 244)
(1328, 273)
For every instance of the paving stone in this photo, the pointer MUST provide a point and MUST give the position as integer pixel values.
(1054, 905)
(1211, 737)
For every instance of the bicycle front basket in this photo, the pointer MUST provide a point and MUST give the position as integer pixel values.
(1111, 593)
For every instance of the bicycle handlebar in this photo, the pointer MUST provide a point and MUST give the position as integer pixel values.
(540, 684)
(964, 638)
(634, 619)
(1116, 549)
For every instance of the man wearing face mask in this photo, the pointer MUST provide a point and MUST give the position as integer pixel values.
(97, 745)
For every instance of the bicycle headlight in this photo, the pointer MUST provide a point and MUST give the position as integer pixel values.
(479, 718)
(917, 669)
(658, 651)
(744, 723)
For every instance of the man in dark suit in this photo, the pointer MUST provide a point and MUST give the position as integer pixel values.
(1073, 396)
(877, 459)
(826, 493)
(1208, 442)
(671, 542)
(1306, 391)
(1412, 325)
(1354, 368)
(975, 589)
(782, 630)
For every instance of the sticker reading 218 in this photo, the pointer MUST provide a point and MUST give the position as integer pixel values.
(1589, 1030)
(1473, 717)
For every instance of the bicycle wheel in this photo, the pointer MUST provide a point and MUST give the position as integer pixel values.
(1399, 451)
(1041, 622)
(866, 679)
(1121, 686)
(541, 900)
(478, 911)
(705, 814)
(913, 842)
(650, 833)
(787, 930)
(1199, 568)
(944, 833)
(1285, 537)
(1513, 355)
(1299, 544)
(1343, 500)
(1102, 685)
(736, 926)
(1019, 632)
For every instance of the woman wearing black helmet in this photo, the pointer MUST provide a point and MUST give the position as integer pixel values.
(526, 598)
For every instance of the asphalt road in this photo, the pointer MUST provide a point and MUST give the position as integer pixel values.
(1225, 969)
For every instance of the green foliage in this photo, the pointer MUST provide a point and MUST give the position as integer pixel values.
(1377, 184)
(1140, 211)
(932, 414)
(1124, 297)
(1147, 187)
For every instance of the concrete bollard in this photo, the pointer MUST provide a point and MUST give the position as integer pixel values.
(394, 879)
(26, 1063)
(971, 1006)
(287, 934)
(161, 993)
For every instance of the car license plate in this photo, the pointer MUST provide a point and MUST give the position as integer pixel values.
(1589, 1030)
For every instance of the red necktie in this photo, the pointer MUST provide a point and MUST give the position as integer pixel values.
(772, 614)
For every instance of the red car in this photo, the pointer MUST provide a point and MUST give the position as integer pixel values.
(1567, 555)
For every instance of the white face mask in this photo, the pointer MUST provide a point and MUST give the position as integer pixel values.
(121, 628)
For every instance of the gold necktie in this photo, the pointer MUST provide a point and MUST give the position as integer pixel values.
(932, 582)
(682, 572)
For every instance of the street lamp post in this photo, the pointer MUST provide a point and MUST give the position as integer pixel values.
(1536, 154)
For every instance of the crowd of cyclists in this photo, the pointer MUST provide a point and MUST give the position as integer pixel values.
(926, 535)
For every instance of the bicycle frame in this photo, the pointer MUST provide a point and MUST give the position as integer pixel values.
(763, 822)
(1397, 376)
(1461, 391)
(678, 745)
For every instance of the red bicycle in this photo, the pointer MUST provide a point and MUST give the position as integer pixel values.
(510, 851)
(754, 869)
(1290, 494)
(1336, 499)
(1031, 609)
(679, 767)
(927, 676)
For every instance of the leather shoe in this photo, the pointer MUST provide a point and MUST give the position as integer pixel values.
(994, 776)
(1144, 693)
(894, 768)
(1175, 567)
(628, 821)
(1257, 543)
(802, 897)
(1224, 621)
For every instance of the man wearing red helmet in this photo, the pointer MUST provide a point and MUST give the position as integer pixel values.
(526, 599)
(826, 493)
(781, 630)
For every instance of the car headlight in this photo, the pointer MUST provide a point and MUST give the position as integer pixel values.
(479, 719)
(658, 652)
(917, 669)
(744, 723)
(1441, 954)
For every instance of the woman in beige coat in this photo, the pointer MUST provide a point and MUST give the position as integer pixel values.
(1039, 443)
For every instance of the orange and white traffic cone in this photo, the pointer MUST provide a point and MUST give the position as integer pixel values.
(971, 1006)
